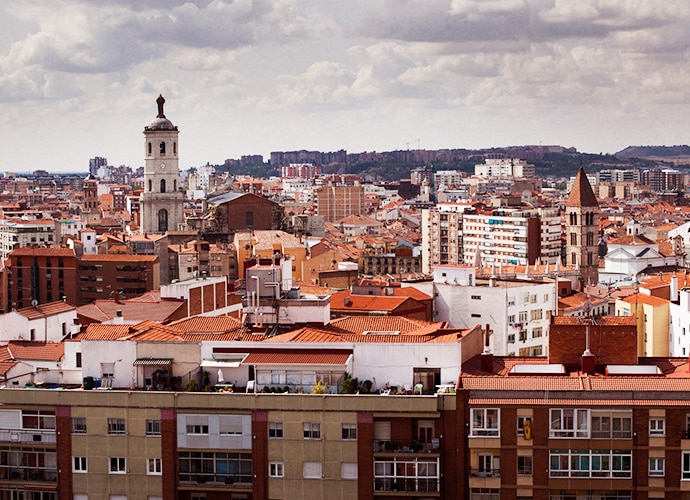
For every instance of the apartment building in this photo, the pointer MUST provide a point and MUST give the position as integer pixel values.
(507, 236)
(334, 202)
(442, 234)
(103, 276)
(504, 167)
(40, 275)
(23, 233)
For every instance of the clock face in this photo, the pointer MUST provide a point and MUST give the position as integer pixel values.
(162, 165)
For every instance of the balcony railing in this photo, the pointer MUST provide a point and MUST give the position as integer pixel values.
(485, 472)
(406, 484)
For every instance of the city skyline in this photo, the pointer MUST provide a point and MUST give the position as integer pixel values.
(80, 80)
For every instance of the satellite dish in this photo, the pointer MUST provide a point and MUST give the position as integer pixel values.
(34, 303)
(587, 307)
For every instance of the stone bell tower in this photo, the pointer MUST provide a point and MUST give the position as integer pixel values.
(162, 201)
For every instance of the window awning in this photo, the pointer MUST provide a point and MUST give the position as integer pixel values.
(221, 363)
(153, 362)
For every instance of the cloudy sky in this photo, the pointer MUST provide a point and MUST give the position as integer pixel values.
(79, 79)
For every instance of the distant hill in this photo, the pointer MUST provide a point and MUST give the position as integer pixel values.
(654, 152)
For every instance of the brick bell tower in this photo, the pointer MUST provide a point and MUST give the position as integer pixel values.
(161, 201)
(582, 223)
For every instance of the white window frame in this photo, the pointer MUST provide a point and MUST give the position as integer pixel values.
(153, 427)
(657, 426)
(120, 465)
(485, 422)
(657, 467)
(197, 429)
(80, 464)
(349, 431)
(78, 425)
(520, 424)
(311, 430)
(349, 471)
(276, 469)
(154, 467)
(117, 426)
(275, 430)
(569, 423)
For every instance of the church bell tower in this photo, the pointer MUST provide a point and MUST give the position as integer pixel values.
(161, 202)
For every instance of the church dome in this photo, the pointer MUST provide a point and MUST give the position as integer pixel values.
(161, 124)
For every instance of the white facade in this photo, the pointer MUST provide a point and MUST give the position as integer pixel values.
(48, 328)
(24, 234)
(679, 324)
(518, 312)
(504, 167)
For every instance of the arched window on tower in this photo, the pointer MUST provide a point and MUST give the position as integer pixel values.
(162, 185)
(150, 185)
(162, 220)
(149, 153)
(162, 147)
(174, 148)
(175, 185)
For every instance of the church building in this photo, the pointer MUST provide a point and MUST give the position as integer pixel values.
(161, 201)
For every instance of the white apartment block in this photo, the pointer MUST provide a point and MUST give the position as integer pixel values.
(518, 311)
(504, 167)
(452, 234)
(24, 234)
(515, 237)
(448, 178)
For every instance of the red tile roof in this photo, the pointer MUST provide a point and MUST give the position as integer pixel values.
(42, 351)
(44, 310)
(132, 310)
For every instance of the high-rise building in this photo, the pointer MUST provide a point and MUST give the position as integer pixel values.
(96, 163)
(582, 221)
(161, 201)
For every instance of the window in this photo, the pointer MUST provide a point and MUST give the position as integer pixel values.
(657, 427)
(686, 466)
(569, 423)
(118, 465)
(197, 429)
(406, 474)
(591, 463)
(476, 297)
(275, 430)
(349, 431)
(154, 467)
(153, 427)
(611, 424)
(522, 316)
(116, 426)
(536, 333)
(312, 470)
(524, 465)
(218, 467)
(657, 467)
(79, 464)
(312, 430)
(536, 314)
(78, 425)
(485, 494)
(38, 419)
(276, 469)
(348, 470)
(107, 370)
(484, 422)
(524, 423)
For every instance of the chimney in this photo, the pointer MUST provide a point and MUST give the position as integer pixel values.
(118, 319)
(487, 357)
(588, 364)
(673, 292)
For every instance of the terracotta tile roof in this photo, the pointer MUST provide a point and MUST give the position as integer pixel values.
(576, 402)
(43, 351)
(365, 302)
(43, 310)
(44, 252)
(103, 310)
(98, 331)
(359, 324)
(299, 357)
(209, 324)
(410, 291)
(156, 333)
(581, 195)
(6, 366)
(118, 258)
(603, 320)
(641, 298)
(631, 240)
(151, 296)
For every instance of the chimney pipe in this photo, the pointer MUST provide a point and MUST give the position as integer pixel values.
(487, 357)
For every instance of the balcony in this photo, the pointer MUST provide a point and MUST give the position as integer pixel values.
(485, 472)
(406, 485)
